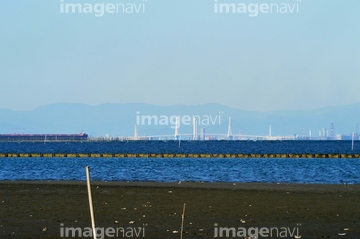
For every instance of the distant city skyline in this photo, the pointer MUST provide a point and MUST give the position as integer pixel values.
(120, 120)
(180, 52)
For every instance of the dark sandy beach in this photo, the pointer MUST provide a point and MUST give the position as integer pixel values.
(38, 209)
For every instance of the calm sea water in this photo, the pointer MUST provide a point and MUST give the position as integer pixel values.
(328, 171)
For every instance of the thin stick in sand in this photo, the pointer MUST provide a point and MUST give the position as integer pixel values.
(90, 201)
(182, 222)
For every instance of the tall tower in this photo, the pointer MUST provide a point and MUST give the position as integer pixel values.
(303, 133)
(229, 134)
(195, 122)
(177, 126)
(332, 133)
(136, 135)
(202, 133)
(270, 131)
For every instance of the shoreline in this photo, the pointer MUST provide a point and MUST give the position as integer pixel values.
(303, 187)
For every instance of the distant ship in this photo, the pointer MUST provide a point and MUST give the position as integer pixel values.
(43, 137)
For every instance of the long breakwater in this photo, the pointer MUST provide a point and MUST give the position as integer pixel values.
(169, 155)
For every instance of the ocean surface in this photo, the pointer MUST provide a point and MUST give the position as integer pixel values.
(264, 170)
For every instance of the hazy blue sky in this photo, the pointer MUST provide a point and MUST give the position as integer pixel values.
(180, 52)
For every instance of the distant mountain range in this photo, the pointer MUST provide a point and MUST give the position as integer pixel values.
(120, 120)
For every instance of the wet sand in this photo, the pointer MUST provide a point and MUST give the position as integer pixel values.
(38, 209)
